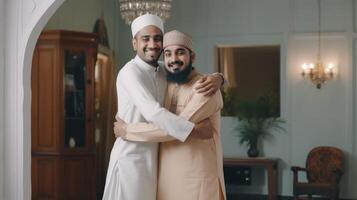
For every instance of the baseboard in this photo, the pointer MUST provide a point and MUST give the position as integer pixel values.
(264, 197)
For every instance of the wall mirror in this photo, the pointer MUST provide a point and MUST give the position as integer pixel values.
(252, 72)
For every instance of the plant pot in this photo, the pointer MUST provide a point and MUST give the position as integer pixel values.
(253, 151)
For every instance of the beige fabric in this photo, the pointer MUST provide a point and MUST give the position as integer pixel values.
(177, 38)
(192, 170)
(146, 20)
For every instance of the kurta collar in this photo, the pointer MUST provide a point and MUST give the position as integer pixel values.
(143, 65)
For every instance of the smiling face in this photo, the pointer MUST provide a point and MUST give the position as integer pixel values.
(148, 44)
(178, 62)
(177, 58)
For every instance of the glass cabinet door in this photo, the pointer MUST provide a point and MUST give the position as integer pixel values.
(74, 97)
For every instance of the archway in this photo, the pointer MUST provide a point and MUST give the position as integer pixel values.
(27, 70)
(44, 16)
(29, 18)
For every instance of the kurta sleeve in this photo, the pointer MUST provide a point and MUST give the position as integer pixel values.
(198, 108)
(175, 126)
(201, 107)
(146, 132)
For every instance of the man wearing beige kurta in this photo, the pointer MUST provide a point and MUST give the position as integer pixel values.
(192, 170)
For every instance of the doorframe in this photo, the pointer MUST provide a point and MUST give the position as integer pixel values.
(24, 21)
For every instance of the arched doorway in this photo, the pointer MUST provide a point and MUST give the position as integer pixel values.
(82, 24)
(24, 22)
(25, 19)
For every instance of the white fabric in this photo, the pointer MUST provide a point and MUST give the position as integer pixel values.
(132, 171)
(146, 20)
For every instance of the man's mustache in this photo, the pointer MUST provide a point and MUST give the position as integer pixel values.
(178, 62)
(151, 49)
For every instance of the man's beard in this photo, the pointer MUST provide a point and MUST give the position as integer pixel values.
(179, 77)
(152, 60)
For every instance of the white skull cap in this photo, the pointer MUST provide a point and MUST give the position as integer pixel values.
(146, 20)
(177, 38)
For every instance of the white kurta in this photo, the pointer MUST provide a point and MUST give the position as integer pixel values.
(132, 171)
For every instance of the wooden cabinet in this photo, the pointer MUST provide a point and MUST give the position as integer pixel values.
(63, 148)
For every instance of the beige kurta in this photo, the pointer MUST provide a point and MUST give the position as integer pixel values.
(192, 170)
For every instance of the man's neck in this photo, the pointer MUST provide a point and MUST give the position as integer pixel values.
(191, 75)
(153, 64)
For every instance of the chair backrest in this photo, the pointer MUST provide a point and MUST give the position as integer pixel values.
(321, 164)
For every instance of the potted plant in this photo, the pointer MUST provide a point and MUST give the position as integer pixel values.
(257, 119)
(229, 99)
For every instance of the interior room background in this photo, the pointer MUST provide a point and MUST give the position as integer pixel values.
(314, 117)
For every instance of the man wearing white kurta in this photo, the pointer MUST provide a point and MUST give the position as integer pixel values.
(141, 85)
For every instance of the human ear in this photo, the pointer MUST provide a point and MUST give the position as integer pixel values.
(193, 56)
(134, 43)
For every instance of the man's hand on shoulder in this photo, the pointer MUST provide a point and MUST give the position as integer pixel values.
(209, 84)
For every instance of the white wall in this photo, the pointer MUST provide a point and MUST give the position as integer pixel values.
(2, 19)
(12, 166)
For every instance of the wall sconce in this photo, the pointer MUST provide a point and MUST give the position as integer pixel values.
(318, 72)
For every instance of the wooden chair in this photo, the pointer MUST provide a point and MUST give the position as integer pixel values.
(323, 171)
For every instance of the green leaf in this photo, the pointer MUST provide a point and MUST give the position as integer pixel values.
(257, 119)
